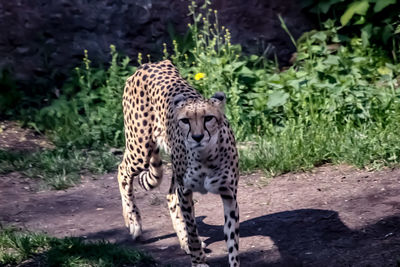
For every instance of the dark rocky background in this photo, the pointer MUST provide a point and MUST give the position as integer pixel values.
(42, 40)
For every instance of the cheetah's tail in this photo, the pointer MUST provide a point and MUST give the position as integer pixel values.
(150, 178)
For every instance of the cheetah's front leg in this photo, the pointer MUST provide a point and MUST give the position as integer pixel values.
(177, 218)
(195, 247)
(231, 228)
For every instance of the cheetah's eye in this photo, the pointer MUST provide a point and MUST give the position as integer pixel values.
(185, 121)
(208, 118)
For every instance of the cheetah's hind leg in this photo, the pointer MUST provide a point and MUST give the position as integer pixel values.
(149, 172)
(130, 211)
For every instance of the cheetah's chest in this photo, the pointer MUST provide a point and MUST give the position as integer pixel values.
(195, 179)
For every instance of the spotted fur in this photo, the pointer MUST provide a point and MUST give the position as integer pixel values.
(161, 108)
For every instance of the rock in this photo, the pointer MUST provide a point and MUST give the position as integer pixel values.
(50, 36)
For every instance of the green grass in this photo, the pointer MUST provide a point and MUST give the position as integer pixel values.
(296, 147)
(59, 168)
(42, 250)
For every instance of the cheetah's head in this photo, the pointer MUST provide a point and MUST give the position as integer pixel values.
(200, 120)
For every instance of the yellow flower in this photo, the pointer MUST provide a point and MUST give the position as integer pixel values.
(199, 76)
(384, 71)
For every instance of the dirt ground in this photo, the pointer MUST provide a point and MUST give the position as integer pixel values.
(332, 216)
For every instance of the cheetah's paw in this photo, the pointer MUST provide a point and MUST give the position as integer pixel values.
(135, 230)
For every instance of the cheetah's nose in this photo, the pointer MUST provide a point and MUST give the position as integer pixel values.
(197, 137)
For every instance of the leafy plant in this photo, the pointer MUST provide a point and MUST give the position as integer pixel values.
(374, 20)
(89, 111)
(340, 104)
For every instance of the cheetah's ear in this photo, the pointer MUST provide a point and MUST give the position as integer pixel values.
(179, 100)
(219, 98)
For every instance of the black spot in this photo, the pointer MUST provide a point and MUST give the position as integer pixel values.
(188, 209)
(232, 214)
(226, 196)
(156, 164)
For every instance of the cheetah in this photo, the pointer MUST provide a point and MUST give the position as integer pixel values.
(161, 109)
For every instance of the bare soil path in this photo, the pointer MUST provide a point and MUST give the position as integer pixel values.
(332, 216)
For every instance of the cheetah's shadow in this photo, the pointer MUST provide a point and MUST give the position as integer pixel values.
(302, 238)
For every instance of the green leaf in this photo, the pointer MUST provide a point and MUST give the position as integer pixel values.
(397, 31)
(358, 59)
(358, 7)
(381, 4)
(246, 72)
(277, 98)
(366, 34)
(321, 36)
(387, 33)
(236, 65)
(360, 21)
(332, 60)
(253, 58)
